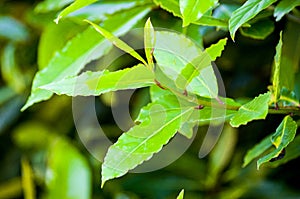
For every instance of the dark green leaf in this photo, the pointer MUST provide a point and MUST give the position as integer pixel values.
(246, 12)
(290, 58)
(257, 150)
(71, 59)
(292, 152)
(259, 30)
(96, 83)
(253, 110)
(284, 7)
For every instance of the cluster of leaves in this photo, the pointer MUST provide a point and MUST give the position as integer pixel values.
(183, 87)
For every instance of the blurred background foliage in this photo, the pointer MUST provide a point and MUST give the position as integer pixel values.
(41, 153)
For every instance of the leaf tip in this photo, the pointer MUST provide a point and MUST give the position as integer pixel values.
(57, 19)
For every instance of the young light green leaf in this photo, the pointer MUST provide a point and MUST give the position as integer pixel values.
(285, 133)
(257, 150)
(96, 83)
(27, 180)
(51, 5)
(253, 110)
(215, 50)
(181, 194)
(246, 12)
(276, 87)
(159, 122)
(259, 30)
(117, 42)
(71, 59)
(284, 7)
(192, 10)
(78, 4)
(149, 42)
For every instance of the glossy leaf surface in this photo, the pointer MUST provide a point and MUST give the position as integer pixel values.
(96, 83)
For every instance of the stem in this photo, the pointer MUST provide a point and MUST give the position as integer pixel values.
(201, 101)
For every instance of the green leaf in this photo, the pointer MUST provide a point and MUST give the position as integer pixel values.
(221, 154)
(181, 194)
(117, 42)
(285, 133)
(259, 30)
(50, 5)
(171, 6)
(288, 98)
(210, 21)
(224, 11)
(97, 83)
(156, 92)
(215, 50)
(290, 58)
(253, 110)
(284, 7)
(246, 12)
(277, 70)
(159, 122)
(101, 10)
(192, 10)
(68, 173)
(78, 4)
(292, 152)
(13, 30)
(11, 73)
(70, 60)
(149, 42)
(27, 180)
(257, 150)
